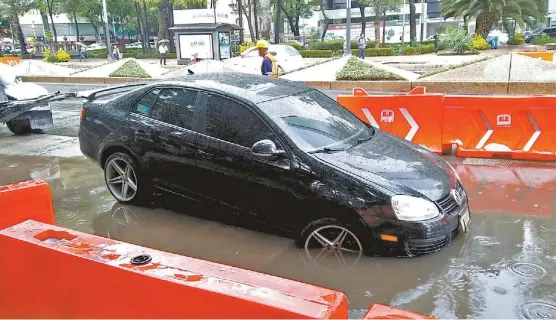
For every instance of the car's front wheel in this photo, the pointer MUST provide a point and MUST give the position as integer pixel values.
(19, 127)
(330, 241)
(123, 179)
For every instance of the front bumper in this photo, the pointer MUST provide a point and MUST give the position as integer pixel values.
(414, 238)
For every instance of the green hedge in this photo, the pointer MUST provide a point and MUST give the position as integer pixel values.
(543, 39)
(129, 53)
(316, 53)
(357, 70)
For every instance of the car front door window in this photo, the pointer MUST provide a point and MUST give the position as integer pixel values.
(178, 105)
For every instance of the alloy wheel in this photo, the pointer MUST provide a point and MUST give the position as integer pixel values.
(121, 179)
(334, 245)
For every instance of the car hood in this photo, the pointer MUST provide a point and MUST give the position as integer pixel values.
(396, 165)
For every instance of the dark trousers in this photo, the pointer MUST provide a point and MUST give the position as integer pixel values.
(436, 46)
(163, 57)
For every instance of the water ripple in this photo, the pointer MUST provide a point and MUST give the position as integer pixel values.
(528, 270)
(486, 241)
(536, 310)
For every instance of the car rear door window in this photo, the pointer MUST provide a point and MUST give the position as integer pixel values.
(146, 103)
(234, 122)
(177, 106)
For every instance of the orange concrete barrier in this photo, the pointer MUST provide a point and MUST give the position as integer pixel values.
(501, 126)
(416, 116)
(379, 311)
(548, 55)
(51, 272)
(30, 200)
(12, 61)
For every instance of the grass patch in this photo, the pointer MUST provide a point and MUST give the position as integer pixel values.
(357, 70)
(452, 67)
(130, 69)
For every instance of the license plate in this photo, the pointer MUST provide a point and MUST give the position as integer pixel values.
(41, 123)
(464, 220)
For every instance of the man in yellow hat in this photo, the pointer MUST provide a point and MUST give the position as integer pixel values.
(270, 64)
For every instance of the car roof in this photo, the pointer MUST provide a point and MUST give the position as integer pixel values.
(248, 87)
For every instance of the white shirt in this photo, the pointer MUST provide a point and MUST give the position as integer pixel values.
(162, 48)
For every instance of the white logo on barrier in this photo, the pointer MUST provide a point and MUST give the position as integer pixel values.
(504, 120)
(387, 116)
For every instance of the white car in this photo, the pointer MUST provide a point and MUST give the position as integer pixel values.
(134, 45)
(288, 57)
(96, 46)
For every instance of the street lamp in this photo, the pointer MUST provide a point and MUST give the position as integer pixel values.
(34, 31)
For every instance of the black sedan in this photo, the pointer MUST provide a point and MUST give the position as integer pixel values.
(277, 152)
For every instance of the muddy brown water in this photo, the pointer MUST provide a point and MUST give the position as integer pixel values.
(503, 268)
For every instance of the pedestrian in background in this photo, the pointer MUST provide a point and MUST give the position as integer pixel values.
(162, 49)
(362, 45)
(436, 36)
(82, 54)
(116, 53)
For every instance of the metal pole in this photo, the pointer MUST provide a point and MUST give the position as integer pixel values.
(214, 10)
(348, 29)
(107, 30)
(423, 13)
(277, 22)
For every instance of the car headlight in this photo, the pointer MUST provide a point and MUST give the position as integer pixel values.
(410, 208)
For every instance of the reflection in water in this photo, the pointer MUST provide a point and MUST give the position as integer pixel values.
(505, 267)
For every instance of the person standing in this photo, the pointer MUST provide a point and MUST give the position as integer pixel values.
(163, 49)
(116, 53)
(436, 36)
(362, 45)
(270, 64)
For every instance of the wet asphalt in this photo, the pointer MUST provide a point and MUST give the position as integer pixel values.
(504, 267)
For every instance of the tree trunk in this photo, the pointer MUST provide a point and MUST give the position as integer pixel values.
(46, 28)
(50, 5)
(412, 22)
(20, 35)
(377, 23)
(324, 30)
(248, 15)
(363, 22)
(384, 28)
(140, 26)
(256, 18)
(76, 27)
(147, 33)
(466, 23)
(485, 22)
(240, 15)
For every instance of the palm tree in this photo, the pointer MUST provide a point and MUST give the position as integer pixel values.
(489, 12)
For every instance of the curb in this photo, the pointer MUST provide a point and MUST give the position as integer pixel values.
(454, 87)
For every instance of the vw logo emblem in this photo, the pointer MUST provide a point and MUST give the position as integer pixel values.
(457, 196)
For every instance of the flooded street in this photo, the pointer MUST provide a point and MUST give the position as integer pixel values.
(504, 267)
(507, 259)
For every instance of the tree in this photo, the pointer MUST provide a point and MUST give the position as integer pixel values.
(295, 9)
(489, 12)
(14, 9)
(413, 21)
(52, 7)
(379, 9)
(71, 9)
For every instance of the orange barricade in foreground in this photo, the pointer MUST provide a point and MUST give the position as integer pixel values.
(51, 272)
(26, 200)
(379, 311)
(416, 116)
(501, 127)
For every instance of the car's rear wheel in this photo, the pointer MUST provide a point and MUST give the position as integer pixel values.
(19, 127)
(122, 175)
(330, 243)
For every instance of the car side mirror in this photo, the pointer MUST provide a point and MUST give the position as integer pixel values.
(267, 149)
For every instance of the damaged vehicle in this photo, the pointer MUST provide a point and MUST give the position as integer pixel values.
(24, 106)
(277, 152)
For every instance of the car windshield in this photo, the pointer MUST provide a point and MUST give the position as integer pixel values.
(316, 123)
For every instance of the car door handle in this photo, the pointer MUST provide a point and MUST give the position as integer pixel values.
(204, 155)
(141, 132)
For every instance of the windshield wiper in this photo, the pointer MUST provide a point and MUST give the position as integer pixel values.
(328, 150)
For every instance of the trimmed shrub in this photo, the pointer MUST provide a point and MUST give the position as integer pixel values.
(479, 43)
(379, 52)
(456, 40)
(517, 39)
(245, 46)
(357, 70)
(63, 56)
(543, 39)
(316, 53)
(130, 69)
(47, 56)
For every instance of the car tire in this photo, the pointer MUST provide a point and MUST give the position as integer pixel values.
(125, 180)
(330, 229)
(19, 127)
